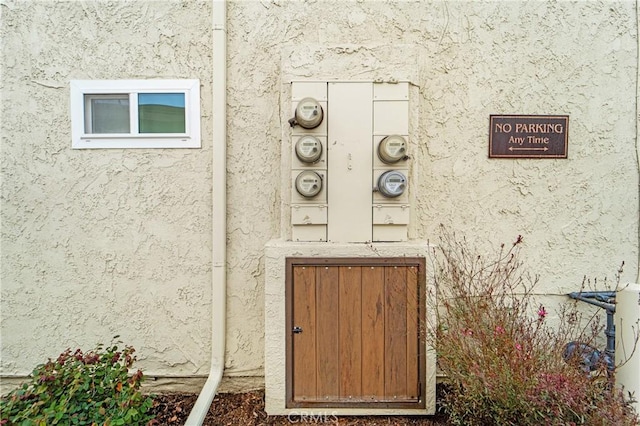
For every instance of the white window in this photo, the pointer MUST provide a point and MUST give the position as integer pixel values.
(135, 113)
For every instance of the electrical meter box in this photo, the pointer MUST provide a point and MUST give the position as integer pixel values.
(350, 153)
(309, 161)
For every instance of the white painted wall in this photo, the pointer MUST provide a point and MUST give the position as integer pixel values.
(118, 242)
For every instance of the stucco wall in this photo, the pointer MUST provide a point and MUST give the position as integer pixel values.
(98, 243)
(118, 242)
(467, 60)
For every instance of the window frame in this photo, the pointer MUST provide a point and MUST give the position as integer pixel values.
(82, 140)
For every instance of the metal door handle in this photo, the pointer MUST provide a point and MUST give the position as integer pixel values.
(297, 330)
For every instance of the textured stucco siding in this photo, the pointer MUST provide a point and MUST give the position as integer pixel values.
(98, 243)
(466, 60)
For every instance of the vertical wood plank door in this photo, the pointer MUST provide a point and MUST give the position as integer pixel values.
(355, 332)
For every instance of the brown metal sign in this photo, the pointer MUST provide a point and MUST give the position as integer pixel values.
(528, 136)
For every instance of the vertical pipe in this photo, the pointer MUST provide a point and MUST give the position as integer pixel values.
(627, 324)
(219, 236)
(610, 332)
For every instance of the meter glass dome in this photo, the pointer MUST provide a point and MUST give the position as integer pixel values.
(392, 149)
(309, 113)
(308, 149)
(392, 183)
(308, 184)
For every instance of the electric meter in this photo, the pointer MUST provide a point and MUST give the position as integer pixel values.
(308, 184)
(308, 149)
(309, 113)
(392, 149)
(392, 184)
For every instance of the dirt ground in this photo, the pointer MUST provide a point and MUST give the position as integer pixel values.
(248, 409)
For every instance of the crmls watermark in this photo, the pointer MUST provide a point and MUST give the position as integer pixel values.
(317, 417)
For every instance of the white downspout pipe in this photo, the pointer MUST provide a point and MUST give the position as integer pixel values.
(219, 197)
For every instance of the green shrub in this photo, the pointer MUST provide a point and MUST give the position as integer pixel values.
(90, 388)
(503, 362)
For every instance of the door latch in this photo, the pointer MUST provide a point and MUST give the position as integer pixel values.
(297, 330)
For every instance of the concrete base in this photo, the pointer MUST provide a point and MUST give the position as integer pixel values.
(276, 252)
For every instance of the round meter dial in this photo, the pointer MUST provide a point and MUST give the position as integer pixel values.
(392, 149)
(392, 184)
(308, 184)
(309, 113)
(308, 149)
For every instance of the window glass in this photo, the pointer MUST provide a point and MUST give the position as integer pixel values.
(107, 114)
(161, 112)
(135, 113)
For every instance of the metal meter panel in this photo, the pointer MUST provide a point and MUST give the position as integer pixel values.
(320, 129)
(349, 159)
(391, 117)
(392, 149)
(308, 155)
(389, 233)
(297, 163)
(308, 184)
(303, 181)
(308, 149)
(308, 114)
(309, 214)
(391, 91)
(309, 222)
(394, 179)
(392, 184)
(384, 214)
(391, 157)
(309, 233)
(349, 150)
(301, 90)
(390, 222)
(312, 89)
(379, 164)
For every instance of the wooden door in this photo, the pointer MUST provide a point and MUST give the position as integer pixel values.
(355, 332)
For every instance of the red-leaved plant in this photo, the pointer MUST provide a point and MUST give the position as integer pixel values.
(81, 388)
(503, 363)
